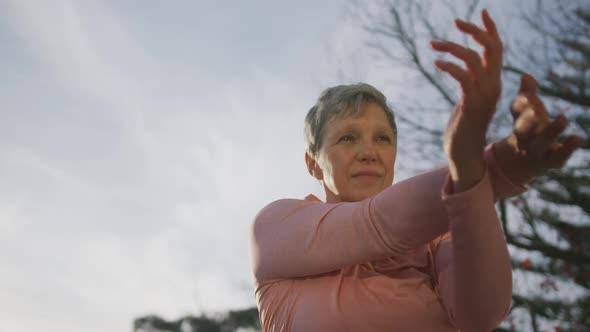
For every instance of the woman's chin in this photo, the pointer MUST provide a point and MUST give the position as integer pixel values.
(365, 193)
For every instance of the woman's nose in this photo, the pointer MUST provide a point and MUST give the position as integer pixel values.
(367, 152)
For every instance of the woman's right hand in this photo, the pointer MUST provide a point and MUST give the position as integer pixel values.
(465, 136)
(533, 147)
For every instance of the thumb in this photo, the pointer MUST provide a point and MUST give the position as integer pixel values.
(528, 84)
(528, 98)
(528, 88)
(524, 129)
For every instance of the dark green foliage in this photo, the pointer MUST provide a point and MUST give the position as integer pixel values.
(547, 228)
(559, 201)
(235, 319)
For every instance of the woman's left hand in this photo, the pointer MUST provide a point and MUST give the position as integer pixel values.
(465, 136)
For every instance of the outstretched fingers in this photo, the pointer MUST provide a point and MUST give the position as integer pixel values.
(540, 140)
(490, 56)
(496, 48)
(486, 70)
(560, 153)
(488, 38)
(489, 24)
(469, 56)
(458, 73)
(548, 136)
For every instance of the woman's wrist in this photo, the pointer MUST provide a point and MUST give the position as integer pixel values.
(511, 161)
(466, 175)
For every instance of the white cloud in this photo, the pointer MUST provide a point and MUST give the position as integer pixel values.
(129, 184)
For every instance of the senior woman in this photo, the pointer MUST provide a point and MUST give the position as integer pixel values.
(426, 254)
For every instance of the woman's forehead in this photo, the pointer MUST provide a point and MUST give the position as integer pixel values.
(360, 121)
(359, 126)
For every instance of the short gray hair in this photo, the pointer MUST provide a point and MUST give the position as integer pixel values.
(338, 101)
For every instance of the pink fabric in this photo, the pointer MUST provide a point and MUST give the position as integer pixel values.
(414, 257)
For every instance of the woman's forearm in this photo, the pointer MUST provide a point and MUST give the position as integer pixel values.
(479, 285)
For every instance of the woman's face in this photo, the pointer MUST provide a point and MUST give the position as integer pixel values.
(357, 156)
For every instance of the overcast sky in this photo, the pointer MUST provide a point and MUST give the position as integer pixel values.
(139, 139)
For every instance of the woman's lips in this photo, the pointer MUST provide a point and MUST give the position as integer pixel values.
(367, 177)
(366, 174)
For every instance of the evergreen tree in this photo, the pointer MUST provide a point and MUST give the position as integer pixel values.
(556, 211)
(235, 320)
(547, 228)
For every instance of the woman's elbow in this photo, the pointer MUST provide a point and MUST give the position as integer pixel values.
(486, 318)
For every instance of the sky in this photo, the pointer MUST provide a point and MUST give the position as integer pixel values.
(137, 143)
(138, 140)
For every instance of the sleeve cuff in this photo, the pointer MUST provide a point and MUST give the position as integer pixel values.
(481, 191)
(502, 186)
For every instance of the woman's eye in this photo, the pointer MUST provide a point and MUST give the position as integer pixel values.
(384, 138)
(346, 138)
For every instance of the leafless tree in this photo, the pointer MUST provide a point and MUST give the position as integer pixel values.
(551, 222)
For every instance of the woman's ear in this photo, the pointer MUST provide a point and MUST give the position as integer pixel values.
(312, 167)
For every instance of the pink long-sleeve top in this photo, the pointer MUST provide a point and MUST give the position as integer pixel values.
(415, 257)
